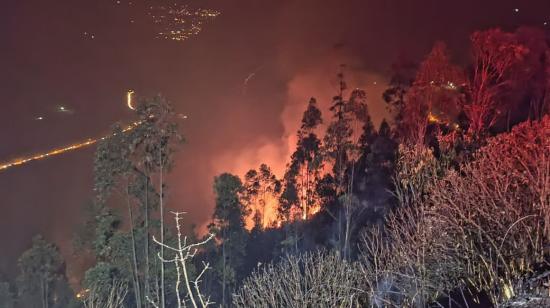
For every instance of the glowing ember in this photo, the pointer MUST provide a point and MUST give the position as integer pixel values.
(433, 119)
(82, 294)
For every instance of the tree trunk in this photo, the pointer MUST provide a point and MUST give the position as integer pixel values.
(134, 255)
(223, 264)
(161, 205)
(43, 292)
(304, 191)
(146, 279)
(264, 205)
(349, 212)
(339, 190)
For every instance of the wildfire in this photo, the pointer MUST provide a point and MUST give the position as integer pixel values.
(433, 118)
(267, 211)
(61, 150)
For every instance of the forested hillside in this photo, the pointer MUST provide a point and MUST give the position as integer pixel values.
(445, 204)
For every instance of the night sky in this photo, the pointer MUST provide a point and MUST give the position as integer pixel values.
(243, 82)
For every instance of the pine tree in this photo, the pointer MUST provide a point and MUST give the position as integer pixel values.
(337, 141)
(249, 196)
(7, 297)
(403, 73)
(299, 193)
(307, 159)
(229, 227)
(259, 187)
(378, 165)
(342, 149)
(40, 268)
(131, 162)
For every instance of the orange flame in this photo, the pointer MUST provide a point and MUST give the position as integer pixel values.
(267, 211)
(269, 216)
(433, 119)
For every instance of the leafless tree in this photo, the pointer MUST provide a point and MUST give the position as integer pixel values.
(433, 96)
(183, 254)
(320, 279)
(396, 260)
(496, 210)
(495, 55)
(401, 262)
(483, 228)
(94, 297)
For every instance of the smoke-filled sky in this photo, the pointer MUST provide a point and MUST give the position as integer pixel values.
(243, 82)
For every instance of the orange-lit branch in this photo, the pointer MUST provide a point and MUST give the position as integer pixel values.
(433, 119)
(61, 150)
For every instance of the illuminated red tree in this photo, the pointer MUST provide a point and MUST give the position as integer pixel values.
(434, 95)
(495, 55)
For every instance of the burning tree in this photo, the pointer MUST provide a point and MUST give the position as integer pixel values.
(299, 193)
(260, 190)
(433, 96)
